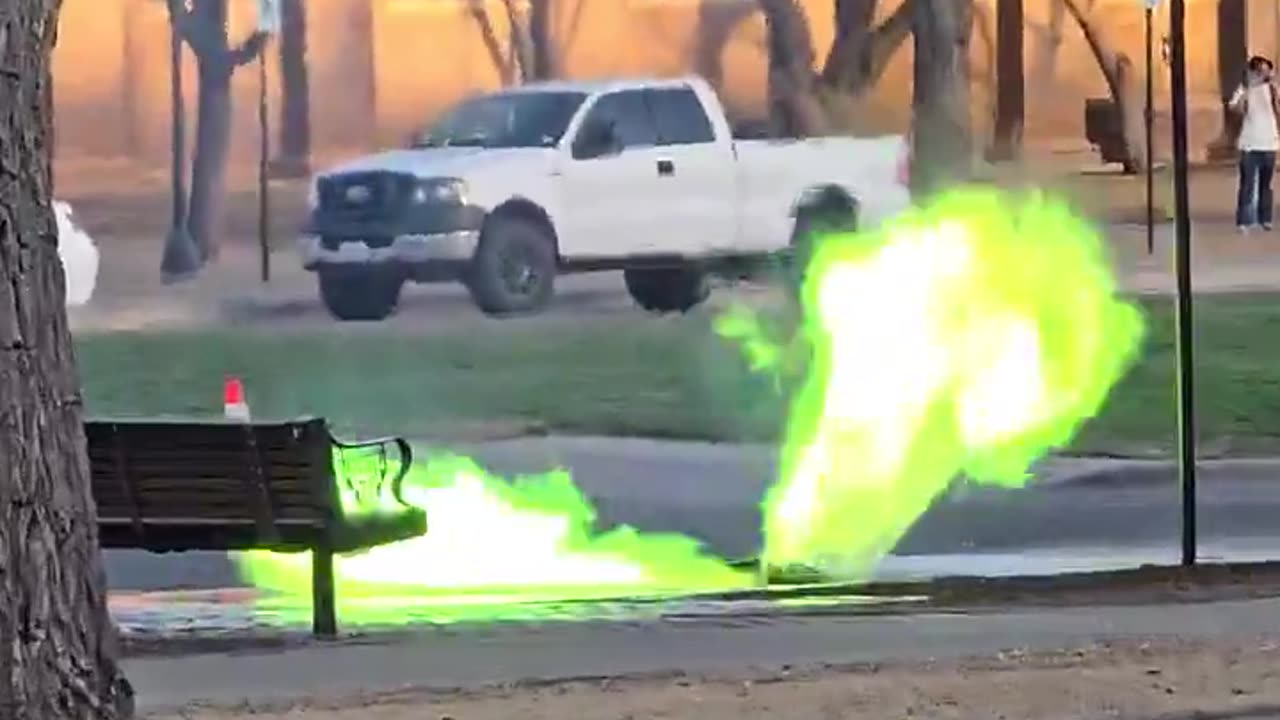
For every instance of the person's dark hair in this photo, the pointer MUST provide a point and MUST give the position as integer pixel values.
(1258, 62)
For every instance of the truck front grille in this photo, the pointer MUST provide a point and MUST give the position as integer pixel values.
(364, 196)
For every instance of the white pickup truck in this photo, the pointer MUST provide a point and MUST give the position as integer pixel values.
(513, 188)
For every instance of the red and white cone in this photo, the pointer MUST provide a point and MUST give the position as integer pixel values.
(234, 406)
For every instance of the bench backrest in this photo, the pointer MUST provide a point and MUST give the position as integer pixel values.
(211, 485)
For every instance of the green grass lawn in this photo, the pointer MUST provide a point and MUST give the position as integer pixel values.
(641, 376)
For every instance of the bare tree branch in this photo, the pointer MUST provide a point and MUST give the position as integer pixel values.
(886, 40)
(489, 36)
(1092, 35)
(861, 51)
(202, 40)
(1121, 76)
(247, 51)
(207, 39)
(717, 21)
(545, 61)
(522, 52)
(793, 97)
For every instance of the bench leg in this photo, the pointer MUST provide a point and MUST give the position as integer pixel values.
(324, 614)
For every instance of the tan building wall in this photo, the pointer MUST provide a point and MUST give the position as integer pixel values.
(380, 68)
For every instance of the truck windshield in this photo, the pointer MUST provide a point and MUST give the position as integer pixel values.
(505, 120)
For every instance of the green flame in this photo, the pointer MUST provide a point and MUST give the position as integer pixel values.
(493, 543)
(968, 337)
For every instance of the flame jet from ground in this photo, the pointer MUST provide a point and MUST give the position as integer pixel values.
(968, 337)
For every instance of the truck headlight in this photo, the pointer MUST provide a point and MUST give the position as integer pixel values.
(440, 191)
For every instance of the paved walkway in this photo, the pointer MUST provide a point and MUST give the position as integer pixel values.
(492, 655)
(1077, 515)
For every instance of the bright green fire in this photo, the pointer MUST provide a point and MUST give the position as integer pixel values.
(490, 542)
(967, 337)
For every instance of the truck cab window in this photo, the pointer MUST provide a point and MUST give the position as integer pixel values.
(680, 117)
(627, 114)
(505, 120)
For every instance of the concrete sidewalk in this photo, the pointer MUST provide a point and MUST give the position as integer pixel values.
(1077, 514)
(458, 659)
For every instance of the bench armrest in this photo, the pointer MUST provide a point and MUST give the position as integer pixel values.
(406, 459)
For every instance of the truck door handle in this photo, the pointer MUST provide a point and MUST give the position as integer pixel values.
(666, 168)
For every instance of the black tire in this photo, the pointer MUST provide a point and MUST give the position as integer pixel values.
(667, 290)
(830, 213)
(360, 295)
(514, 269)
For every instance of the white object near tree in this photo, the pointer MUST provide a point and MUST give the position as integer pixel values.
(269, 16)
(79, 257)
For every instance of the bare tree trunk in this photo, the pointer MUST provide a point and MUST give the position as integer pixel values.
(520, 38)
(793, 87)
(1045, 68)
(294, 159)
(58, 650)
(1233, 53)
(545, 63)
(1122, 81)
(716, 22)
(861, 50)
(532, 55)
(504, 62)
(800, 97)
(209, 165)
(1010, 82)
(941, 133)
(204, 27)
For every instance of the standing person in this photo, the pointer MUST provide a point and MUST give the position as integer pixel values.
(1258, 100)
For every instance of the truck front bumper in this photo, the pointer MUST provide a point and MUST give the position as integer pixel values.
(452, 247)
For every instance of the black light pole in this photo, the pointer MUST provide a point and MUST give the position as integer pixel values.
(181, 259)
(1182, 249)
(1149, 120)
(264, 158)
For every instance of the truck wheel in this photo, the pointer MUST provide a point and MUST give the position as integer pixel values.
(514, 269)
(360, 294)
(667, 290)
(832, 213)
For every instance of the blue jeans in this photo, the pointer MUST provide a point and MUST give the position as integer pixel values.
(1254, 201)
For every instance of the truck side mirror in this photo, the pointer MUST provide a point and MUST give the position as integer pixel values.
(596, 139)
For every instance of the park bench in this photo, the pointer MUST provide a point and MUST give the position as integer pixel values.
(174, 486)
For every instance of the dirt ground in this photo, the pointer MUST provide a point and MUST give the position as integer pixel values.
(1134, 679)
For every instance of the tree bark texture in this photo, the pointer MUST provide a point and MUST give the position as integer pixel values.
(1233, 56)
(1122, 80)
(942, 140)
(57, 644)
(545, 61)
(858, 56)
(531, 53)
(204, 28)
(1049, 37)
(794, 104)
(294, 158)
(503, 61)
(1010, 81)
